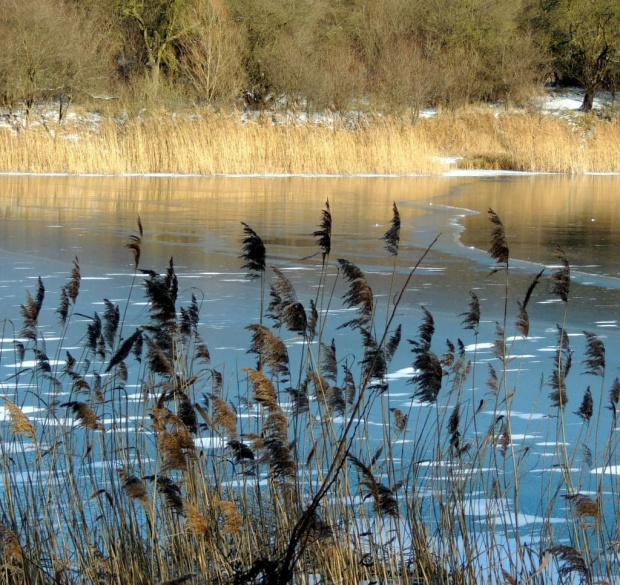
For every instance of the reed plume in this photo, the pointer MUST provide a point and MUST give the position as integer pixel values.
(30, 311)
(359, 295)
(585, 506)
(111, 320)
(427, 365)
(253, 253)
(400, 420)
(471, 318)
(264, 391)
(393, 343)
(170, 491)
(284, 307)
(224, 416)
(186, 411)
(572, 561)
(349, 385)
(324, 234)
(560, 278)
(499, 247)
(329, 364)
(134, 487)
(392, 236)
(374, 364)
(124, 350)
(270, 348)
(84, 414)
(614, 398)
(561, 367)
(595, 355)
(11, 549)
(586, 408)
(383, 497)
(300, 399)
(241, 451)
(20, 423)
(190, 317)
(523, 320)
(233, 520)
(196, 522)
(135, 244)
(176, 448)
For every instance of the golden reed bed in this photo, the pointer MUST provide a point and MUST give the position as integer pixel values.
(219, 144)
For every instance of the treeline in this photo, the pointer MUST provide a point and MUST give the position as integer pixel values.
(395, 55)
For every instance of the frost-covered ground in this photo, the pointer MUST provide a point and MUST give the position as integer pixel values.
(558, 101)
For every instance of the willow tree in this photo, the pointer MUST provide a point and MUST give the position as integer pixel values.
(161, 24)
(585, 41)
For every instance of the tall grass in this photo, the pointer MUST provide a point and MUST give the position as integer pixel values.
(271, 474)
(218, 144)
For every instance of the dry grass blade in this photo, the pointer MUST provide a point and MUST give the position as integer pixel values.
(560, 278)
(392, 236)
(595, 355)
(270, 348)
(84, 414)
(20, 423)
(178, 580)
(499, 247)
(253, 252)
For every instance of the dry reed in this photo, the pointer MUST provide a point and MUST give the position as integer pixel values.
(207, 143)
(307, 498)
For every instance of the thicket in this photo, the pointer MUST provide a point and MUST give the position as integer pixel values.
(392, 55)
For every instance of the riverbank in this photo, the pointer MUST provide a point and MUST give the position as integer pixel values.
(208, 143)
